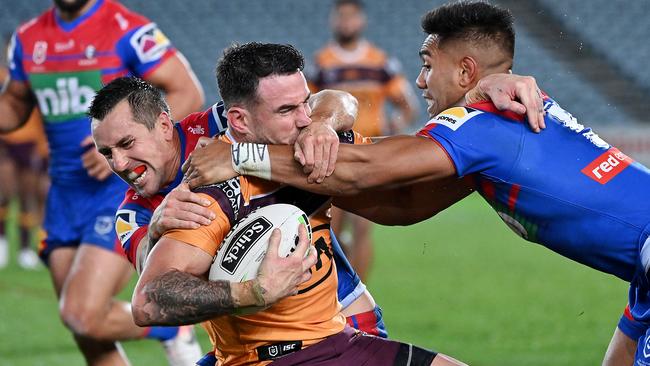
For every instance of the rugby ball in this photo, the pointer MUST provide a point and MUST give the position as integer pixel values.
(244, 247)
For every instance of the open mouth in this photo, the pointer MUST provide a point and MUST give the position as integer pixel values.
(137, 175)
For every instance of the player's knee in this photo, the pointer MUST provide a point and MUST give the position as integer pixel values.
(81, 317)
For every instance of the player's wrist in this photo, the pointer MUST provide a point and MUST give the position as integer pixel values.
(247, 293)
(251, 159)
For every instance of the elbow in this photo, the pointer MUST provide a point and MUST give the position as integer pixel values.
(140, 316)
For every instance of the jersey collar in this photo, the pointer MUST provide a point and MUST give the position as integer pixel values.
(70, 26)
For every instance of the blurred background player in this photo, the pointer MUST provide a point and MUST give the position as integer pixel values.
(57, 61)
(23, 176)
(351, 63)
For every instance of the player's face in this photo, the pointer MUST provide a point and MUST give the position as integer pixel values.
(348, 22)
(142, 158)
(437, 77)
(281, 109)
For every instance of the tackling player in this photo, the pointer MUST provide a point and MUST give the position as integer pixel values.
(57, 61)
(266, 97)
(566, 188)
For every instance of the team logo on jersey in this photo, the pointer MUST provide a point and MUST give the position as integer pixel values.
(90, 51)
(40, 52)
(454, 117)
(149, 43)
(608, 165)
(103, 225)
(125, 224)
(65, 96)
(121, 21)
(646, 347)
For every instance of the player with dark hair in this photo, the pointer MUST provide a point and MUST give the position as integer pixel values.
(565, 188)
(173, 288)
(57, 61)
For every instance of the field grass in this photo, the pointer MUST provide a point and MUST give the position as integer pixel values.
(461, 283)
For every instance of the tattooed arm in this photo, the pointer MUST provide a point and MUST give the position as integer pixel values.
(174, 290)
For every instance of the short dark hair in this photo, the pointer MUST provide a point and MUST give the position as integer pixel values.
(243, 65)
(473, 21)
(358, 3)
(146, 101)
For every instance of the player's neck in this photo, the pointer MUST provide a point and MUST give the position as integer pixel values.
(68, 16)
(350, 44)
(176, 159)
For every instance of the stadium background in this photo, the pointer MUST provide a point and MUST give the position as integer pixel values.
(460, 283)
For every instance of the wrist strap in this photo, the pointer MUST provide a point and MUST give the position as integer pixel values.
(251, 159)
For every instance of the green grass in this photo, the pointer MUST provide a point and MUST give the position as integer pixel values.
(461, 284)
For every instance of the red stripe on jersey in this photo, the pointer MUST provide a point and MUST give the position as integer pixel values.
(627, 312)
(512, 198)
(488, 189)
(135, 242)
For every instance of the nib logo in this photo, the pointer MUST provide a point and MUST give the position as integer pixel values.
(65, 96)
(607, 166)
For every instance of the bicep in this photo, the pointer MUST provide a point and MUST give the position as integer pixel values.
(172, 254)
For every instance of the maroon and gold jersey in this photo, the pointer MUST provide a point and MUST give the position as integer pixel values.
(311, 315)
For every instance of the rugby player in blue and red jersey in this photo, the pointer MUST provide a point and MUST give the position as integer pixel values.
(57, 61)
(565, 188)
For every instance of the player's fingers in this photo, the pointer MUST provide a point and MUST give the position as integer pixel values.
(166, 224)
(318, 161)
(303, 241)
(310, 260)
(274, 243)
(187, 214)
(187, 165)
(87, 141)
(331, 164)
(298, 154)
(204, 141)
(308, 152)
(196, 209)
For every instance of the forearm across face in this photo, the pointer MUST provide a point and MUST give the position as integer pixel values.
(394, 161)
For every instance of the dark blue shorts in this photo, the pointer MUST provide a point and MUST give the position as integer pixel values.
(83, 214)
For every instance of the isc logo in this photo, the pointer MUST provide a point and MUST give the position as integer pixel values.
(65, 96)
(607, 166)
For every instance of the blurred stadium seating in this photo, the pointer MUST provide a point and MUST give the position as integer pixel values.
(202, 28)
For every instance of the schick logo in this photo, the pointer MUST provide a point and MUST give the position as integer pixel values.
(65, 96)
(242, 242)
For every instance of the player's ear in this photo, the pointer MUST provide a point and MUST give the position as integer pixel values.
(165, 124)
(468, 72)
(238, 119)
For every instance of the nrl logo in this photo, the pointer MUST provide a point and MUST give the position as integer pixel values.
(40, 52)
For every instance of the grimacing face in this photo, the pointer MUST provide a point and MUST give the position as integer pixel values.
(139, 156)
(282, 109)
(437, 78)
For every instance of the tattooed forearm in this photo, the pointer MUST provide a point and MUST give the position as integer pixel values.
(176, 298)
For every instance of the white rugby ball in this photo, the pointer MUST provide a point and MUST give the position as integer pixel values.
(244, 248)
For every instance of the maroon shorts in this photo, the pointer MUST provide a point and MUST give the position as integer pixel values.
(24, 155)
(358, 349)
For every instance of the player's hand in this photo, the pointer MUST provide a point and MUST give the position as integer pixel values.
(316, 149)
(181, 209)
(519, 94)
(280, 277)
(210, 162)
(94, 163)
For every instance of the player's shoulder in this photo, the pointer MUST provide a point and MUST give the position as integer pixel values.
(36, 24)
(133, 200)
(122, 17)
(375, 52)
(455, 117)
(228, 195)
